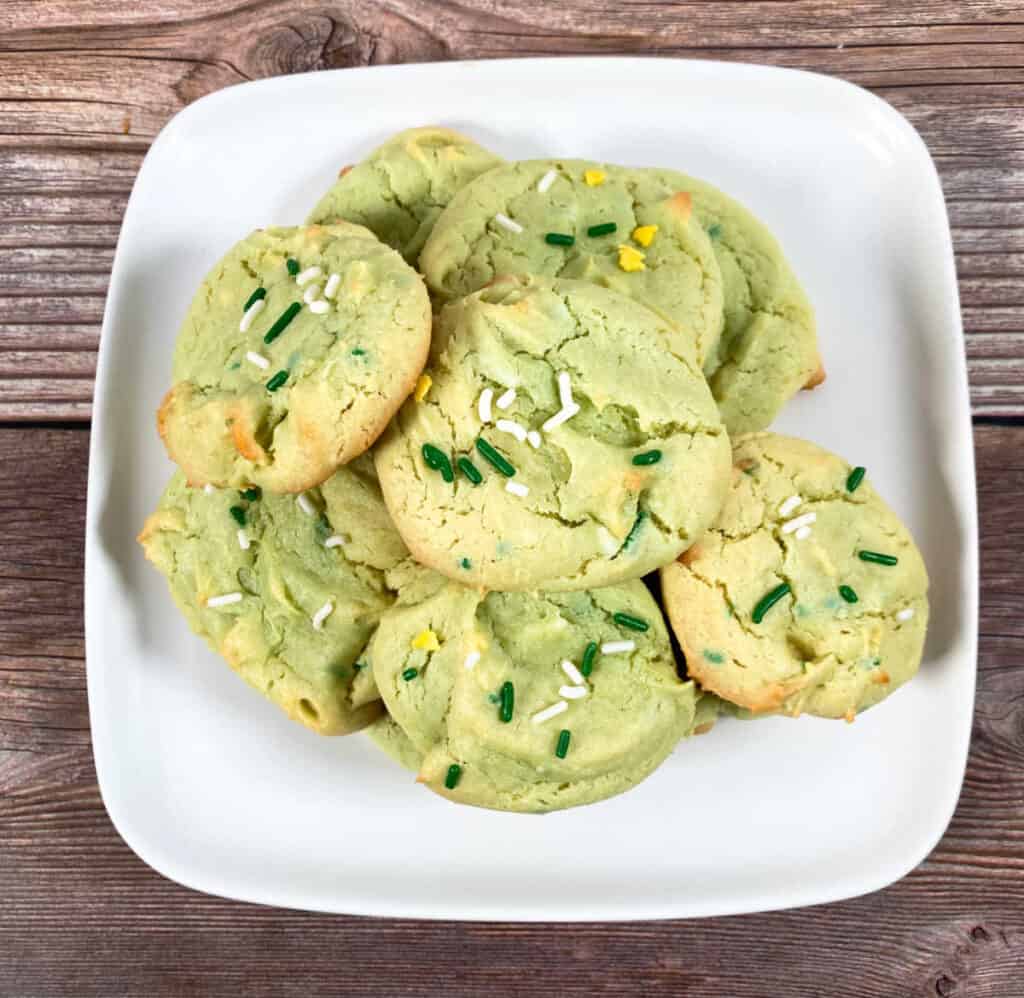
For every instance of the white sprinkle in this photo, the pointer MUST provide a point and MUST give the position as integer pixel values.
(799, 521)
(517, 488)
(546, 181)
(309, 274)
(318, 307)
(562, 416)
(506, 399)
(331, 288)
(572, 692)
(905, 614)
(311, 294)
(321, 615)
(803, 533)
(226, 600)
(304, 504)
(617, 647)
(549, 712)
(250, 313)
(573, 673)
(512, 427)
(565, 390)
(334, 541)
(483, 405)
(608, 541)
(243, 540)
(506, 223)
(789, 505)
(471, 659)
(534, 438)
(208, 489)
(258, 359)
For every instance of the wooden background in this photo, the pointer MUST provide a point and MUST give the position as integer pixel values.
(84, 87)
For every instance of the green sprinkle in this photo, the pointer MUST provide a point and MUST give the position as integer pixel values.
(604, 229)
(292, 265)
(238, 515)
(715, 230)
(508, 700)
(587, 665)
(438, 460)
(359, 665)
(494, 457)
(848, 594)
(282, 322)
(563, 743)
(235, 366)
(714, 657)
(276, 381)
(494, 697)
(358, 352)
(647, 457)
(628, 620)
(466, 564)
(253, 298)
(855, 478)
(451, 780)
(252, 493)
(411, 673)
(766, 602)
(878, 559)
(559, 239)
(469, 470)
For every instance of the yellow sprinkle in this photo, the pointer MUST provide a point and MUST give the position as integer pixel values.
(422, 387)
(593, 178)
(426, 641)
(631, 260)
(644, 234)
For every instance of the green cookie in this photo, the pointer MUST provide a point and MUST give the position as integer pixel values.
(288, 594)
(296, 351)
(399, 190)
(491, 715)
(608, 462)
(808, 595)
(628, 230)
(769, 347)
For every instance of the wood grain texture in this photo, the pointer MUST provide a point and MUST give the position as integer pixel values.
(85, 85)
(81, 916)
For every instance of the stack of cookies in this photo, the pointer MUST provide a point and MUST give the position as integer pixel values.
(476, 460)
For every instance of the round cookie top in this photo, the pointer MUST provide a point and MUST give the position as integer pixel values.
(562, 442)
(287, 589)
(768, 349)
(527, 702)
(298, 348)
(399, 190)
(621, 228)
(808, 595)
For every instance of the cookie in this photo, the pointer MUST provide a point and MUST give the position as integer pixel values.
(527, 702)
(562, 442)
(399, 190)
(287, 590)
(621, 228)
(808, 595)
(298, 348)
(768, 349)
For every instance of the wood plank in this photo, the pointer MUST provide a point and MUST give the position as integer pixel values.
(81, 916)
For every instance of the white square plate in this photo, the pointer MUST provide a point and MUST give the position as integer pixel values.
(214, 788)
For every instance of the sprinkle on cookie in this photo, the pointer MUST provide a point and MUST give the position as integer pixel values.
(426, 641)
(422, 387)
(630, 260)
(644, 235)
(594, 178)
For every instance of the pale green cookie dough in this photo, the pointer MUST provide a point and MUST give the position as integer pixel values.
(284, 415)
(443, 654)
(472, 242)
(273, 636)
(768, 350)
(592, 515)
(791, 519)
(399, 190)
(394, 743)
